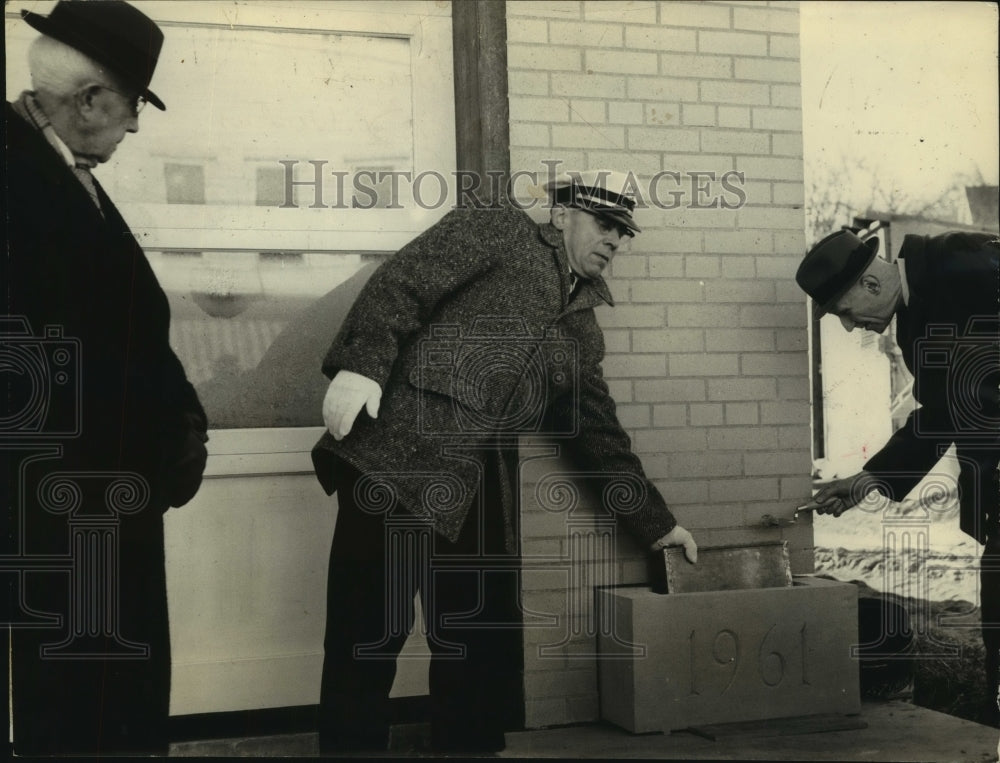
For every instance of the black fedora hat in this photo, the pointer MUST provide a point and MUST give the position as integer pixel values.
(111, 32)
(833, 266)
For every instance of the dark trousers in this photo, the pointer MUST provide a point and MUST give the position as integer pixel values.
(105, 694)
(469, 592)
(989, 597)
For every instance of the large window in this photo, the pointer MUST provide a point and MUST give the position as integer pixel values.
(278, 171)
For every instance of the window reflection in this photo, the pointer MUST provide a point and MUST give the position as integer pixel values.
(251, 328)
(311, 100)
(259, 286)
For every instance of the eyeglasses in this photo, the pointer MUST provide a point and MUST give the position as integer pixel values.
(137, 105)
(606, 226)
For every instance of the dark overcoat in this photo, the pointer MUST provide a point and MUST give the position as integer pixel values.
(100, 393)
(948, 334)
(472, 334)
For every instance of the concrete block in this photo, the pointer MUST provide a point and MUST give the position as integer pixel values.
(741, 389)
(670, 441)
(735, 93)
(770, 168)
(702, 316)
(591, 112)
(732, 43)
(581, 33)
(707, 414)
(734, 116)
(786, 95)
(717, 364)
(786, 144)
(528, 83)
(735, 142)
(696, 15)
(746, 340)
(672, 661)
(727, 568)
(767, 70)
(625, 112)
(538, 57)
(555, 9)
(529, 134)
(669, 390)
(677, 139)
(766, 19)
(639, 163)
(692, 65)
(613, 62)
(660, 38)
(670, 415)
(587, 85)
(661, 113)
(539, 109)
(634, 12)
(527, 30)
(668, 340)
(742, 267)
(778, 119)
(706, 465)
(784, 46)
(742, 413)
(663, 89)
(587, 136)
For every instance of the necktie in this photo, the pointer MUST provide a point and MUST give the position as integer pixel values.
(574, 284)
(82, 171)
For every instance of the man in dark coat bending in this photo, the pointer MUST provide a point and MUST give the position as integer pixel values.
(944, 292)
(480, 329)
(101, 430)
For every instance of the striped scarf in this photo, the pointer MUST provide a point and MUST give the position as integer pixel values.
(28, 108)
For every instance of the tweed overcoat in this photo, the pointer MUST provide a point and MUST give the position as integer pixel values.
(473, 336)
(948, 334)
(113, 400)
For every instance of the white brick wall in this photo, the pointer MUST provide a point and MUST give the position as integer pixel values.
(707, 346)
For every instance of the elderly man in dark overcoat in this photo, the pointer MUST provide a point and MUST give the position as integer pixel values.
(102, 430)
(944, 293)
(480, 329)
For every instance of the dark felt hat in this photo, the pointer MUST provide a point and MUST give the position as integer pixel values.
(605, 193)
(833, 266)
(111, 32)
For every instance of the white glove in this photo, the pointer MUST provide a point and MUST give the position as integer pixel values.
(346, 394)
(679, 537)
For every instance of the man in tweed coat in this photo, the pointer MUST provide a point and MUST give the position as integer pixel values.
(480, 329)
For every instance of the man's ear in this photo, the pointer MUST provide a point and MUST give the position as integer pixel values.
(84, 98)
(871, 284)
(559, 217)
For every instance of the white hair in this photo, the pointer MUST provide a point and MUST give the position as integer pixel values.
(61, 70)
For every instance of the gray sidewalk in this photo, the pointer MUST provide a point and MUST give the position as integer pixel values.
(896, 731)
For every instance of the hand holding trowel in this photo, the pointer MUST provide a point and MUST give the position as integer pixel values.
(835, 497)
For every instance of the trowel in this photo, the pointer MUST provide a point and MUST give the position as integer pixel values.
(769, 520)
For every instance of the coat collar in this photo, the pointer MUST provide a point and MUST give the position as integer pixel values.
(593, 291)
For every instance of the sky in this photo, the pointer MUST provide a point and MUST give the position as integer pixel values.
(911, 86)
